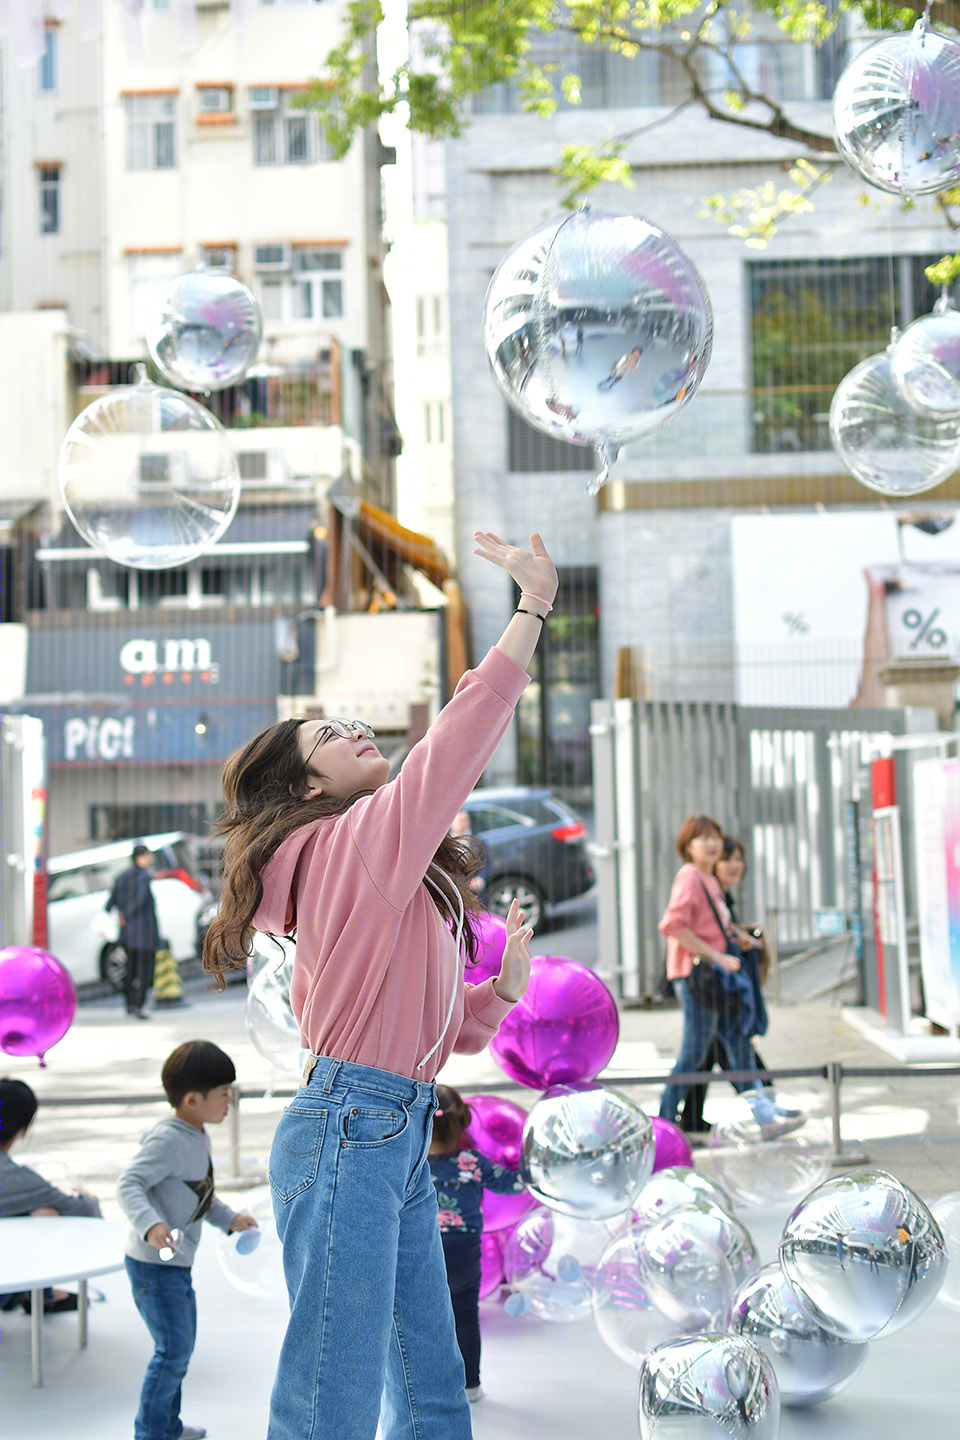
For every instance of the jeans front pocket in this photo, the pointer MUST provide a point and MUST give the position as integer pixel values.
(295, 1154)
(365, 1125)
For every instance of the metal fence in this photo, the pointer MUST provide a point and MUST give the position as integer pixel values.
(786, 782)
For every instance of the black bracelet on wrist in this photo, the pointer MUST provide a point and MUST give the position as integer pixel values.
(520, 611)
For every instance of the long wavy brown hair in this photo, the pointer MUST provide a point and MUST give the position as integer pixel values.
(263, 785)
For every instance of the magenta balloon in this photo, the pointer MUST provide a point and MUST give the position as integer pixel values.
(491, 933)
(491, 1264)
(563, 1031)
(671, 1146)
(496, 1130)
(37, 1001)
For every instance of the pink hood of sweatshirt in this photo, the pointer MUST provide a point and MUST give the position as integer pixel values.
(376, 967)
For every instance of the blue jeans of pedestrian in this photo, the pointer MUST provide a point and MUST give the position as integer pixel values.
(700, 1026)
(165, 1297)
(371, 1333)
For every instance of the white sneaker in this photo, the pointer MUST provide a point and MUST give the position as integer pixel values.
(781, 1125)
(474, 1393)
(192, 1432)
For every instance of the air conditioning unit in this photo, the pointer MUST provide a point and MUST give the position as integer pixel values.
(214, 99)
(264, 97)
(268, 258)
(262, 467)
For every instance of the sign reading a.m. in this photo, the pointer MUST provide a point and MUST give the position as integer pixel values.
(188, 659)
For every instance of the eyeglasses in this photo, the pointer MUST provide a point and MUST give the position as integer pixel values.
(343, 729)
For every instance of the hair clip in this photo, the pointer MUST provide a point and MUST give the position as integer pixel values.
(438, 1112)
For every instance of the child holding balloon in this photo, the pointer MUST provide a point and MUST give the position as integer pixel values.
(460, 1177)
(319, 841)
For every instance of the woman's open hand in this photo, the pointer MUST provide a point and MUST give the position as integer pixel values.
(730, 963)
(532, 569)
(511, 984)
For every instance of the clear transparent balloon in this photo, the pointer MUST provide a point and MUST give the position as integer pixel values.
(270, 1021)
(206, 332)
(550, 1260)
(864, 1255)
(149, 477)
(677, 1185)
(811, 1364)
(896, 112)
(598, 328)
(707, 1386)
(882, 440)
(628, 1321)
(587, 1151)
(254, 1269)
(926, 363)
(761, 1172)
(946, 1212)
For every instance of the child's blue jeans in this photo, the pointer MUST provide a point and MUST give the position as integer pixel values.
(371, 1331)
(165, 1297)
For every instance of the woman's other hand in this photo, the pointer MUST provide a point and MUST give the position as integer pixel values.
(511, 984)
(532, 569)
(730, 963)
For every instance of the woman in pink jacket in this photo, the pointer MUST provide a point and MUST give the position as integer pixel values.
(376, 890)
(699, 930)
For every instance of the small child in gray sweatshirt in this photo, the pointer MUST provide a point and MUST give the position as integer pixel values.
(166, 1194)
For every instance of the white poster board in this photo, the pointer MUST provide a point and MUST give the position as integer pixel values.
(936, 800)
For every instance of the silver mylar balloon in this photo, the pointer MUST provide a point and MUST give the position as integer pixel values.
(811, 1364)
(207, 331)
(708, 1387)
(586, 1151)
(885, 442)
(864, 1255)
(148, 476)
(676, 1185)
(686, 1275)
(598, 330)
(926, 361)
(896, 112)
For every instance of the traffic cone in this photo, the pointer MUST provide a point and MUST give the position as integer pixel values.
(167, 988)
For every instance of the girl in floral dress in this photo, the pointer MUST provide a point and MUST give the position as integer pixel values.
(460, 1177)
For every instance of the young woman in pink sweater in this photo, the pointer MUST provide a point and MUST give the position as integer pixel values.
(364, 871)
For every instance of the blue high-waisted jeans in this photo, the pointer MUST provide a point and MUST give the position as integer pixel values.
(700, 1026)
(371, 1332)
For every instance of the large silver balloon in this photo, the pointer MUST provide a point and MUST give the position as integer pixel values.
(708, 1387)
(674, 1186)
(686, 1275)
(207, 331)
(864, 1255)
(598, 329)
(896, 112)
(148, 476)
(811, 1364)
(926, 362)
(885, 442)
(586, 1151)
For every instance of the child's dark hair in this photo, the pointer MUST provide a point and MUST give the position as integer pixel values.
(195, 1065)
(452, 1117)
(18, 1105)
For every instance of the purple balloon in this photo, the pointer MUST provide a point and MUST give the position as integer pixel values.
(491, 934)
(496, 1130)
(671, 1146)
(491, 1264)
(563, 1031)
(37, 1001)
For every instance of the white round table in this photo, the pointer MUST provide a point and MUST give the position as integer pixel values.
(40, 1250)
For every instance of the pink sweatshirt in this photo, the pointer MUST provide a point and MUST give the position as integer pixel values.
(689, 909)
(376, 966)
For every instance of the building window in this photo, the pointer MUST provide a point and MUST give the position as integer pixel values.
(283, 133)
(49, 179)
(149, 277)
(151, 132)
(48, 60)
(811, 322)
(430, 324)
(219, 257)
(215, 99)
(434, 422)
(530, 451)
(303, 283)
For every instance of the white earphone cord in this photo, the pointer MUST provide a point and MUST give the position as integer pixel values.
(456, 940)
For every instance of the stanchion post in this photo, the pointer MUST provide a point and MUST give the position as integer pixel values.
(840, 1157)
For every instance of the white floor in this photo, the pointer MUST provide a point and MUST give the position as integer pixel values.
(558, 1382)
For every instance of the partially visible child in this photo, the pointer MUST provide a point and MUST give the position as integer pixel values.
(25, 1192)
(165, 1194)
(460, 1177)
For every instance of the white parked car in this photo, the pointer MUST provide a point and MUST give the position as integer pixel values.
(82, 934)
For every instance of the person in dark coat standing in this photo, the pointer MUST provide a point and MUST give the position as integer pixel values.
(132, 896)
